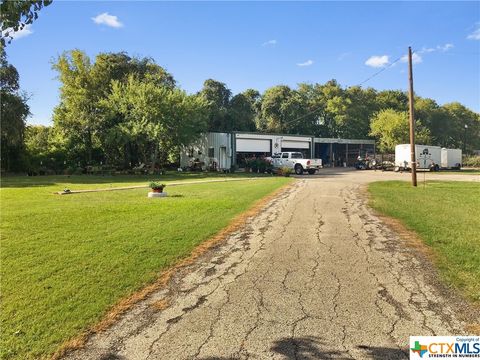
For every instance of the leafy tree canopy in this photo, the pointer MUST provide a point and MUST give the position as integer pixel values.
(391, 128)
(16, 14)
(13, 114)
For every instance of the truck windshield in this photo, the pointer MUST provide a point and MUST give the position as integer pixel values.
(297, 156)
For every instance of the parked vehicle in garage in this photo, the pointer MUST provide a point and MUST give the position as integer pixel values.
(296, 162)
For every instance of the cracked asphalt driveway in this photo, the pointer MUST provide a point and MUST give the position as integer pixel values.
(315, 275)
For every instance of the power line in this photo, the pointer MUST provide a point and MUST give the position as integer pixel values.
(360, 84)
(381, 70)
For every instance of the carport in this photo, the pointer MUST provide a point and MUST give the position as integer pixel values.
(340, 152)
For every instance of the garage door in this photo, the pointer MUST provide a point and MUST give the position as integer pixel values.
(253, 145)
(295, 144)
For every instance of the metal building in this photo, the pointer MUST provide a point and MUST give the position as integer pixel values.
(219, 151)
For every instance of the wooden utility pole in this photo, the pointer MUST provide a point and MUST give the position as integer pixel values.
(413, 159)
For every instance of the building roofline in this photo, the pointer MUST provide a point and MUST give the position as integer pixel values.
(269, 134)
(315, 139)
(343, 141)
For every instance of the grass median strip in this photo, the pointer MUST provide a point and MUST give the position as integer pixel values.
(67, 260)
(445, 216)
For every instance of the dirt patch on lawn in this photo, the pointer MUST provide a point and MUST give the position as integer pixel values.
(166, 275)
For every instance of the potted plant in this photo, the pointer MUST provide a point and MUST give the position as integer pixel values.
(157, 187)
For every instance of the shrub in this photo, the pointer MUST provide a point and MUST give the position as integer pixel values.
(254, 165)
(471, 161)
(285, 171)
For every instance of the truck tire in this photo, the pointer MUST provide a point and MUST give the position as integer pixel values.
(311, 171)
(299, 169)
(436, 168)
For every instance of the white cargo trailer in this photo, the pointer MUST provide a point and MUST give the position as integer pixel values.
(451, 159)
(427, 157)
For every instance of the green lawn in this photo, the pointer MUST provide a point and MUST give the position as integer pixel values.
(86, 181)
(446, 216)
(67, 259)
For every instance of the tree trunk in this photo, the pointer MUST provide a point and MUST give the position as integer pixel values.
(154, 157)
(88, 145)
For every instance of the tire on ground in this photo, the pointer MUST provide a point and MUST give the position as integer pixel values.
(298, 169)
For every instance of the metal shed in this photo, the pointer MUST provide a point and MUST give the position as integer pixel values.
(219, 151)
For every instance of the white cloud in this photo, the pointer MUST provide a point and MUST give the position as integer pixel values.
(27, 30)
(427, 50)
(270, 43)
(416, 59)
(445, 47)
(306, 63)
(475, 35)
(377, 61)
(442, 48)
(107, 19)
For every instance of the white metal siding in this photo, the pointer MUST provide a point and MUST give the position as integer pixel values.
(202, 144)
(295, 144)
(253, 145)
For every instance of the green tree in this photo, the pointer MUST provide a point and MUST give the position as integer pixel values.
(13, 114)
(436, 119)
(78, 112)
(392, 99)
(45, 149)
(16, 14)
(218, 96)
(361, 106)
(390, 127)
(242, 113)
(459, 116)
(158, 119)
(327, 106)
(281, 110)
(81, 115)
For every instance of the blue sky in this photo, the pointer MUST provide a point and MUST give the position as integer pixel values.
(260, 44)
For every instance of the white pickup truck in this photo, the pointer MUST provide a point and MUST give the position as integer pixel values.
(296, 162)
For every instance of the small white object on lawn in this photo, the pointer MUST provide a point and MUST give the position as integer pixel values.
(156, 194)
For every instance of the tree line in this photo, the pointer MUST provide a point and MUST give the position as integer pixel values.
(122, 111)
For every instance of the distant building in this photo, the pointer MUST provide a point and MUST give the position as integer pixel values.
(215, 150)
